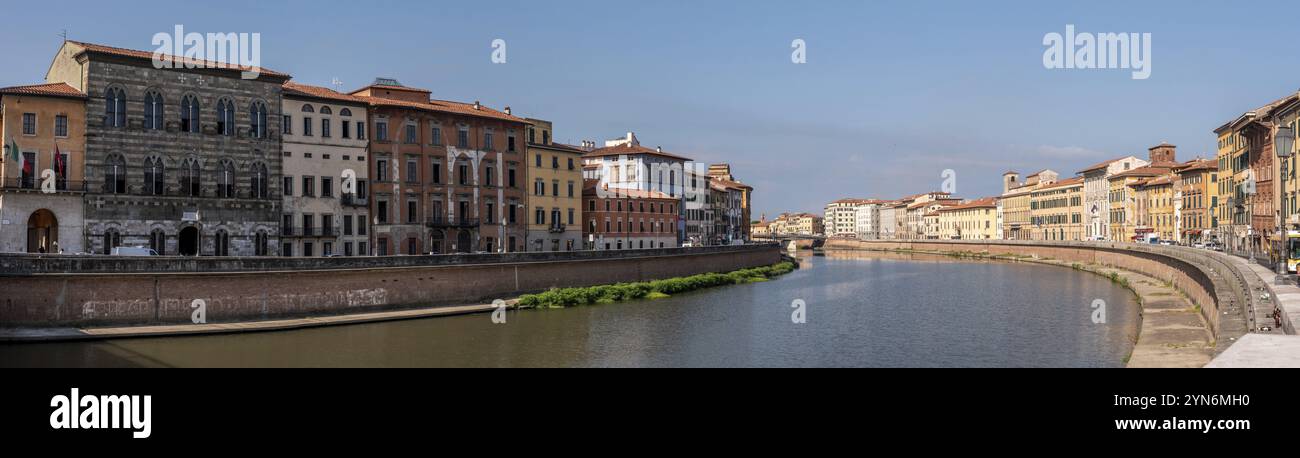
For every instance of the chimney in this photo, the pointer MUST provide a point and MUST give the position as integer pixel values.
(507, 110)
(659, 149)
(476, 105)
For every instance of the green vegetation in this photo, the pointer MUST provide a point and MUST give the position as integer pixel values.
(658, 289)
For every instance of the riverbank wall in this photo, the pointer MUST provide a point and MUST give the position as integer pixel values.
(1210, 280)
(57, 290)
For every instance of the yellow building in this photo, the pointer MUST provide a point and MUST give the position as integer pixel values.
(1156, 211)
(1233, 219)
(1056, 211)
(1194, 192)
(1124, 202)
(1017, 209)
(554, 197)
(1289, 115)
(42, 186)
(974, 220)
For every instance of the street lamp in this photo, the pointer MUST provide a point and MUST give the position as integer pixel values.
(1283, 143)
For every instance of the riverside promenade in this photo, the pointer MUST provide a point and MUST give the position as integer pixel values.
(1200, 308)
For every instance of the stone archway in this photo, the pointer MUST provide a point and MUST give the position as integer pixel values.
(188, 241)
(42, 232)
(436, 241)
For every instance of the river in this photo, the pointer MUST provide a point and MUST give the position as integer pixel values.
(861, 309)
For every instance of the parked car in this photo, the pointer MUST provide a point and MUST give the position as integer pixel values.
(134, 251)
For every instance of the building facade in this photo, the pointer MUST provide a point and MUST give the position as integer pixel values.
(555, 193)
(43, 129)
(1056, 211)
(444, 176)
(629, 219)
(326, 178)
(185, 161)
(1096, 189)
(624, 164)
(1017, 206)
(1194, 194)
(974, 220)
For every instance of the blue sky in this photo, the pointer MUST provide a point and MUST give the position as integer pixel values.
(892, 94)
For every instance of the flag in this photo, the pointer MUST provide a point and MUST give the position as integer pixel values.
(58, 162)
(13, 149)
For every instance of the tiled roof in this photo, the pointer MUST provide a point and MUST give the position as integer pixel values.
(49, 90)
(558, 146)
(977, 203)
(136, 54)
(1197, 164)
(444, 106)
(1101, 165)
(1147, 171)
(304, 90)
(629, 149)
(1063, 183)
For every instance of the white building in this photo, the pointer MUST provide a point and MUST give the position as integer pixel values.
(1096, 191)
(867, 218)
(325, 173)
(623, 164)
(841, 218)
(886, 222)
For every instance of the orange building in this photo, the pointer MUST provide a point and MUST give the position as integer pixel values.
(44, 137)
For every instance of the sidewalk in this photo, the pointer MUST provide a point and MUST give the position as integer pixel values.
(1267, 345)
(56, 334)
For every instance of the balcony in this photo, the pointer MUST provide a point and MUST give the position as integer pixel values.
(442, 221)
(557, 228)
(33, 184)
(353, 200)
(314, 232)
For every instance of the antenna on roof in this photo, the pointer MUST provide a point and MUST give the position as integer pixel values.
(64, 35)
(336, 83)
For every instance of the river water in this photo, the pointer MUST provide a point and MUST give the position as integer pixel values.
(861, 309)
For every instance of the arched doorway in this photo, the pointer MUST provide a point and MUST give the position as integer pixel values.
(463, 243)
(42, 232)
(188, 242)
(435, 242)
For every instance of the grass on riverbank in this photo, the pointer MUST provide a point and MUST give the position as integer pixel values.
(604, 294)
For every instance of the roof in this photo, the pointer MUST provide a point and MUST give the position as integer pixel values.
(1197, 165)
(629, 149)
(45, 90)
(1102, 165)
(590, 185)
(303, 90)
(558, 147)
(1145, 171)
(1158, 181)
(986, 202)
(1076, 181)
(137, 54)
(444, 106)
(1261, 112)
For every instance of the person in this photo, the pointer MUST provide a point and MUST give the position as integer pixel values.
(57, 248)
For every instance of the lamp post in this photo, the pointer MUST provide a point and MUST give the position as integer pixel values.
(1283, 143)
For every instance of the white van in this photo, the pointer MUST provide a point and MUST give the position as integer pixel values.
(134, 251)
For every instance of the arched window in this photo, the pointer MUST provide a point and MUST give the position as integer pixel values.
(153, 110)
(225, 117)
(260, 243)
(257, 121)
(158, 242)
(190, 114)
(345, 112)
(112, 239)
(258, 183)
(326, 110)
(115, 175)
(226, 180)
(190, 178)
(153, 176)
(221, 244)
(114, 107)
(306, 108)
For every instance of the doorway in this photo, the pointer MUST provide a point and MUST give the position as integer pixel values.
(463, 242)
(42, 232)
(188, 242)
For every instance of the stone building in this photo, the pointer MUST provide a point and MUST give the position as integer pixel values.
(41, 184)
(185, 161)
(444, 176)
(723, 172)
(1096, 188)
(326, 174)
(1056, 211)
(555, 193)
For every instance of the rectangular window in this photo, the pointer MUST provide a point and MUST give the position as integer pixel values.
(29, 123)
(347, 224)
(306, 126)
(288, 125)
(288, 186)
(487, 176)
(487, 141)
(462, 138)
(325, 128)
(570, 189)
(347, 131)
(309, 186)
(436, 135)
(510, 143)
(511, 176)
(381, 207)
(381, 170)
(381, 131)
(491, 213)
(464, 175)
(411, 205)
(435, 172)
(412, 171)
(361, 131)
(411, 134)
(61, 126)
(327, 186)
